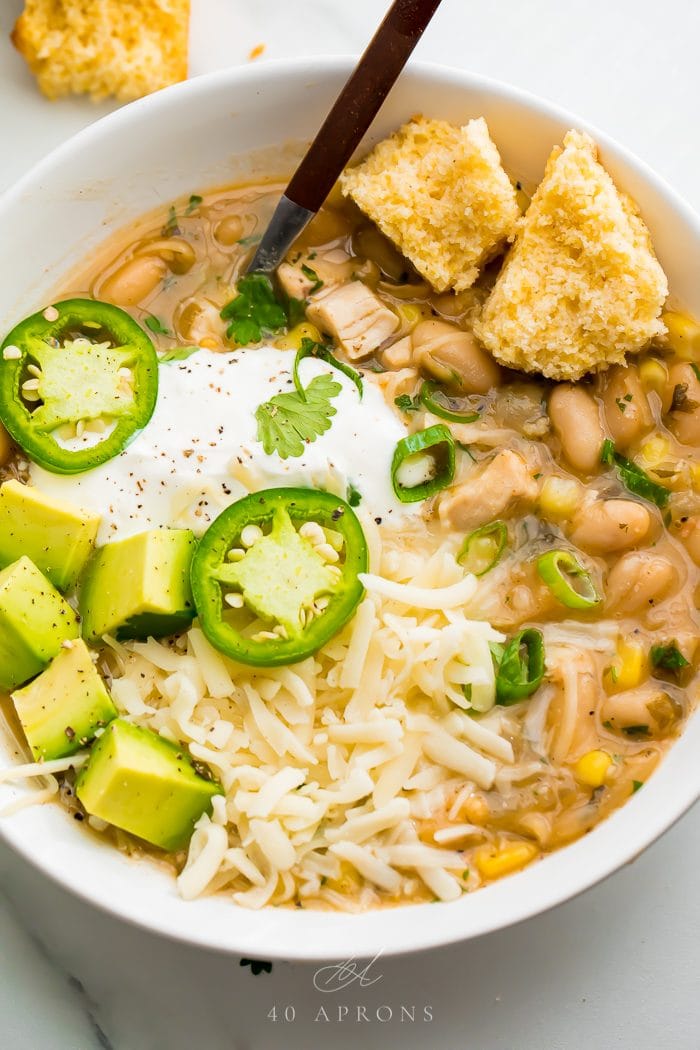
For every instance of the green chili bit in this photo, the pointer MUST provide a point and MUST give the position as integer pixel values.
(178, 353)
(635, 480)
(437, 444)
(482, 549)
(567, 579)
(407, 403)
(520, 666)
(445, 406)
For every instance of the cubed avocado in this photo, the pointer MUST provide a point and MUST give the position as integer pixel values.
(34, 620)
(57, 536)
(139, 586)
(141, 783)
(63, 708)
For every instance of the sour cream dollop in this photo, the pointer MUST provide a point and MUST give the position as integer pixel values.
(200, 453)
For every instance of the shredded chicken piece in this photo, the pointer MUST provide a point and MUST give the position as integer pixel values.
(294, 281)
(505, 483)
(355, 316)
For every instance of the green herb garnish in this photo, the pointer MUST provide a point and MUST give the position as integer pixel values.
(407, 403)
(255, 312)
(156, 325)
(178, 353)
(668, 657)
(193, 203)
(636, 784)
(313, 277)
(354, 496)
(254, 238)
(171, 227)
(288, 422)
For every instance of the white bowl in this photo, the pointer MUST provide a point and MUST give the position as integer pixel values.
(214, 130)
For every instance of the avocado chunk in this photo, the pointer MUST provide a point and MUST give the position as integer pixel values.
(58, 537)
(139, 586)
(63, 708)
(34, 620)
(143, 784)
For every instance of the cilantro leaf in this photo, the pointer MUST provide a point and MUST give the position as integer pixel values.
(287, 422)
(636, 784)
(178, 353)
(156, 325)
(295, 309)
(668, 657)
(407, 403)
(194, 202)
(354, 496)
(254, 312)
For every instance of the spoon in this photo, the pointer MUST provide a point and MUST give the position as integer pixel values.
(344, 127)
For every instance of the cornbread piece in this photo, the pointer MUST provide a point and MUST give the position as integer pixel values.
(126, 48)
(581, 286)
(440, 193)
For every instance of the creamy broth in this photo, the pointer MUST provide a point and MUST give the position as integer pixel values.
(594, 731)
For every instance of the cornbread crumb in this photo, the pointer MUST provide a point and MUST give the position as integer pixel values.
(441, 194)
(125, 48)
(581, 287)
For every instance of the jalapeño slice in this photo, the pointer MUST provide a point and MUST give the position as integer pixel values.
(78, 381)
(276, 575)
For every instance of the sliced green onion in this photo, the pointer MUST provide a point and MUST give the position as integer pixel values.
(567, 579)
(310, 348)
(443, 405)
(635, 480)
(438, 441)
(520, 666)
(483, 548)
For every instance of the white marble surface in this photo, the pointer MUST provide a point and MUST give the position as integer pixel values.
(618, 967)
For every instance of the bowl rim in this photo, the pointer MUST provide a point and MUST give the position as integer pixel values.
(346, 931)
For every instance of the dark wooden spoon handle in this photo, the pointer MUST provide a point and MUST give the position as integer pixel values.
(359, 101)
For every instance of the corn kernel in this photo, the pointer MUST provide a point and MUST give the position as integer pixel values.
(695, 475)
(683, 335)
(476, 809)
(410, 314)
(347, 882)
(655, 451)
(495, 863)
(559, 497)
(653, 374)
(295, 336)
(592, 767)
(629, 667)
